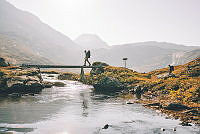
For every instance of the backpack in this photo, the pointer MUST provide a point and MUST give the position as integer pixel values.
(88, 54)
(172, 68)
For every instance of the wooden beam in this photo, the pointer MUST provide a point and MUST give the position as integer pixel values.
(57, 66)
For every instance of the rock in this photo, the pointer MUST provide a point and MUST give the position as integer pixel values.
(162, 129)
(1, 74)
(106, 126)
(176, 107)
(59, 84)
(100, 68)
(17, 88)
(185, 124)
(15, 95)
(108, 84)
(27, 80)
(154, 105)
(22, 88)
(3, 63)
(35, 88)
(192, 112)
(47, 84)
(50, 76)
(129, 102)
(68, 76)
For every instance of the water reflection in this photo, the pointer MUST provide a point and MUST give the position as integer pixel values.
(75, 109)
(84, 99)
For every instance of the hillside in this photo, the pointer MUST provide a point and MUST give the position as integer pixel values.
(146, 56)
(38, 37)
(16, 52)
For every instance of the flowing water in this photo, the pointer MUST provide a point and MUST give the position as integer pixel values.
(75, 109)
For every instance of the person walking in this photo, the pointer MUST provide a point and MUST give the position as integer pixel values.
(87, 56)
(171, 69)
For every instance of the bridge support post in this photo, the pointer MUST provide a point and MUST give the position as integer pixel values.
(82, 75)
(40, 75)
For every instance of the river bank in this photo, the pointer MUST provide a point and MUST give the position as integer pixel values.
(177, 94)
(16, 81)
(76, 109)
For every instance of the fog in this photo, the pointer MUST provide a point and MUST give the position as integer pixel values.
(121, 21)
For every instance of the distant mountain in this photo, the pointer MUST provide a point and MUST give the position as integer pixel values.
(25, 39)
(184, 57)
(145, 56)
(90, 41)
(38, 37)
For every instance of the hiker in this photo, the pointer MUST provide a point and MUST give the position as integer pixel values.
(87, 56)
(171, 69)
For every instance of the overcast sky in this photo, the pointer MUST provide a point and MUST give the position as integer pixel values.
(121, 21)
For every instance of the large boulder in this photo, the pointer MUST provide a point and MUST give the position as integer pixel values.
(100, 68)
(108, 84)
(22, 88)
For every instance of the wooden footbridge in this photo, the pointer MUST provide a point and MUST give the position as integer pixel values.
(82, 76)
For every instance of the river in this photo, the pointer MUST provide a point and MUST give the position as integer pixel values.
(75, 109)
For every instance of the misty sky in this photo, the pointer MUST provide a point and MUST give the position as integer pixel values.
(121, 21)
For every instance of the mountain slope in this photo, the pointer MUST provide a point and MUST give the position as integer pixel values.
(16, 53)
(144, 56)
(39, 37)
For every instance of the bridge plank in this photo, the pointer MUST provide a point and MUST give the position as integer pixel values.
(56, 66)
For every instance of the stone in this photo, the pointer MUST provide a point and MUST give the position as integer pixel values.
(108, 84)
(154, 105)
(59, 84)
(185, 124)
(192, 112)
(106, 126)
(3, 63)
(176, 107)
(15, 95)
(100, 69)
(47, 84)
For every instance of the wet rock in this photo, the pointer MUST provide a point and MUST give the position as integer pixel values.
(22, 80)
(50, 76)
(176, 107)
(185, 124)
(22, 88)
(129, 102)
(174, 129)
(15, 95)
(154, 105)
(108, 84)
(35, 88)
(47, 84)
(59, 84)
(162, 129)
(106, 126)
(3, 63)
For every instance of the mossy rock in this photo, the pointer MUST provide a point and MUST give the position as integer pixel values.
(108, 84)
(100, 69)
